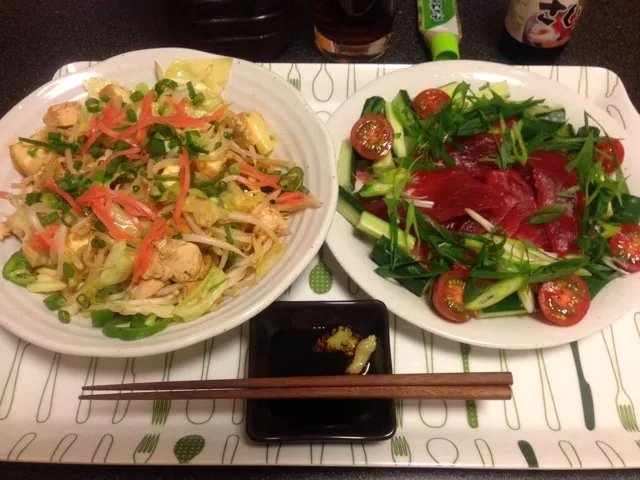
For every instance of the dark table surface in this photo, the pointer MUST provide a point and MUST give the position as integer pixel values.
(39, 36)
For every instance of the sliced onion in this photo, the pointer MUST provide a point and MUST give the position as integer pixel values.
(61, 245)
(194, 226)
(243, 217)
(484, 223)
(169, 289)
(611, 263)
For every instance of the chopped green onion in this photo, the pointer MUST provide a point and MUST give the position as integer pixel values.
(98, 176)
(198, 99)
(105, 98)
(156, 148)
(33, 197)
(51, 200)
(227, 135)
(163, 108)
(121, 145)
(98, 243)
(92, 104)
(54, 301)
(82, 139)
(136, 96)
(83, 301)
(100, 226)
(100, 317)
(165, 83)
(77, 164)
(192, 91)
(102, 294)
(68, 219)
(234, 169)
(48, 218)
(96, 152)
(136, 188)
(217, 145)
(547, 214)
(68, 270)
(304, 190)
(173, 143)
(177, 236)
(142, 88)
(64, 316)
(131, 115)
(222, 186)
(32, 152)
(54, 137)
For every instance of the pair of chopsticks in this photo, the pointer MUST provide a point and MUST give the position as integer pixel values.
(446, 386)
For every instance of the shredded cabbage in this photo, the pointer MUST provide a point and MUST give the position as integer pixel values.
(205, 212)
(117, 267)
(161, 307)
(213, 73)
(200, 301)
(46, 283)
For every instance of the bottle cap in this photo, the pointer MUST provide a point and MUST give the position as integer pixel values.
(444, 46)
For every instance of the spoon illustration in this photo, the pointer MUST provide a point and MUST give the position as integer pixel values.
(321, 277)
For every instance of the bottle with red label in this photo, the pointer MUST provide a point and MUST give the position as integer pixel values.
(536, 31)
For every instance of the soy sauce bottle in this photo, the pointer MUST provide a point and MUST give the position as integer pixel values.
(537, 31)
(256, 30)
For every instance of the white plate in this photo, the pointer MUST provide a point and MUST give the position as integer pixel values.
(523, 332)
(303, 138)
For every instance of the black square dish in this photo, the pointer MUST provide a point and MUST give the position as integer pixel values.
(281, 345)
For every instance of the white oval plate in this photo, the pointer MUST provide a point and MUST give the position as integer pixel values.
(521, 332)
(303, 138)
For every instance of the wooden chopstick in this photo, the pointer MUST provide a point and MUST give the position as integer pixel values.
(445, 392)
(398, 380)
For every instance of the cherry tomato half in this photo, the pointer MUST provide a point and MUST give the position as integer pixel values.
(605, 153)
(372, 136)
(448, 296)
(625, 247)
(564, 301)
(429, 101)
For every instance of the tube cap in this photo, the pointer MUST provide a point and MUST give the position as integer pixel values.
(444, 46)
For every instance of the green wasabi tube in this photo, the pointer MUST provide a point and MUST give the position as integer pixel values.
(439, 25)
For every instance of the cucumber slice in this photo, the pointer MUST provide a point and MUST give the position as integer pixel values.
(504, 308)
(346, 166)
(373, 106)
(349, 206)
(501, 88)
(399, 142)
(543, 109)
(375, 228)
(385, 164)
(525, 294)
(495, 292)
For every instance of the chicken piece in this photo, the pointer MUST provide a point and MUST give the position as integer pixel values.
(207, 262)
(24, 163)
(175, 260)
(146, 289)
(241, 134)
(64, 115)
(117, 93)
(214, 166)
(5, 231)
(273, 220)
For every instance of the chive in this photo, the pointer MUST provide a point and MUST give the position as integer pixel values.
(120, 145)
(131, 115)
(227, 231)
(156, 148)
(48, 219)
(163, 84)
(102, 294)
(198, 99)
(227, 135)
(92, 104)
(192, 91)
(136, 96)
(83, 301)
(33, 152)
(160, 131)
(98, 243)
(68, 270)
(64, 316)
(77, 164)
(136, 188)
(162, 108)
(100, 317)
(68, 219)
(33, 197)
(54, 301)
(54, 137)
(547, 214)
(100, 226)
(96, 152)
(217, 145)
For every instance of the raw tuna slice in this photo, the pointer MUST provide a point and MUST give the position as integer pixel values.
(518, 200)
(473, 150)
(550, 177)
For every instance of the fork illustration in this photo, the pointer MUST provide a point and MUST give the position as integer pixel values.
(400, 451)
(146, 447)
(161, 408)
(624, 404)
(293, 77)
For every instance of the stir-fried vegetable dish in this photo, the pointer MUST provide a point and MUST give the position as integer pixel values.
(488, 206)
(144, 207)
